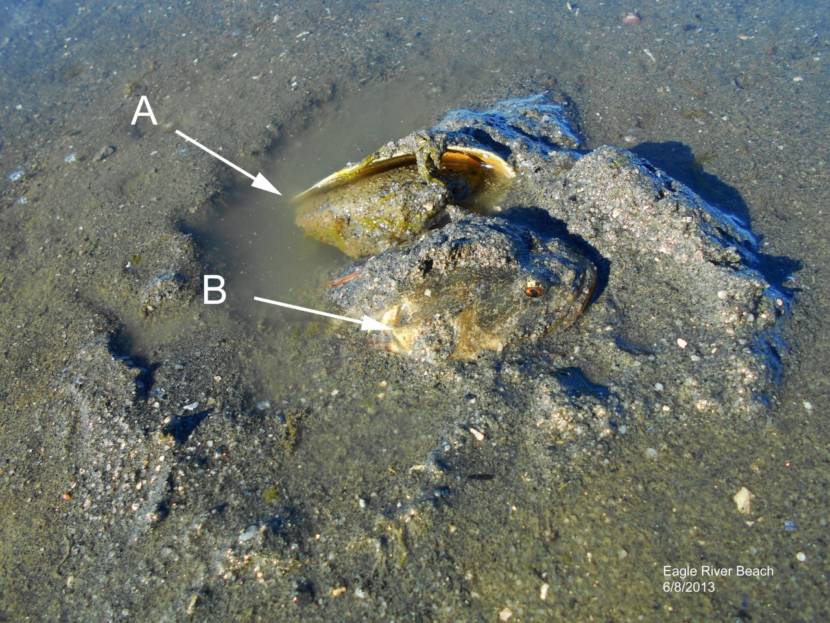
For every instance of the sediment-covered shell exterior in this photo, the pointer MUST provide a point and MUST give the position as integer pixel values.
(477, 284)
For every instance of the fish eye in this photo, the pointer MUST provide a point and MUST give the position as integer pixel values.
(534, 290)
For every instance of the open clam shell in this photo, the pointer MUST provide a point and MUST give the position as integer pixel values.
(389, 198)
(457, 158)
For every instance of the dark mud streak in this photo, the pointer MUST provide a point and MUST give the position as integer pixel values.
(204, 241)
(182, 426)
(771, 347)
(120, 346)
(485, 139)
(164, 505)
(576, 384)
(197, 226)
(679, 161)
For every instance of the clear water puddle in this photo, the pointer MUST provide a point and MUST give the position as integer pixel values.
(251, 239)
(250, 236)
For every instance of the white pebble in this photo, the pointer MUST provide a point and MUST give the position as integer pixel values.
(651, 453)
(681, 342)
(248, 534)
(743, 500)
(801, 556)
(543, 591)
(808, 406)
(658, 387)
(505, 614)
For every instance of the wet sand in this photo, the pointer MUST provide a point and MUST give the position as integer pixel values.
(308, 438)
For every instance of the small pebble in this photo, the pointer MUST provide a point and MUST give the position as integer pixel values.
(632, 19)
(658, 387)
(505, 614)
(651, 453)
(477, 434)
(191, 407)
(543, 591)
(70, 157)
(15, 175)
(105, 152)
(808, 406)
(262, 405)
(801, 556)
(743, 500)
(681, 342)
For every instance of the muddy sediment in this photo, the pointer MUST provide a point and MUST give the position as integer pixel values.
(163, 460)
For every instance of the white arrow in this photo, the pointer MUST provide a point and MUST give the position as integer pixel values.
(259, 179)
(366, 323)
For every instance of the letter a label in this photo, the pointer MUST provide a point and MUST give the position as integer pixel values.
(143, 110)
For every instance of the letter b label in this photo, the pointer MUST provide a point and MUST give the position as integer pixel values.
(214, 290)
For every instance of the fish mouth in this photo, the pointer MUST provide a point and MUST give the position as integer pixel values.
(582, 294)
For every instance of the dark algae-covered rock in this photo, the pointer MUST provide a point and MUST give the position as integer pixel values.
(666, 286)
